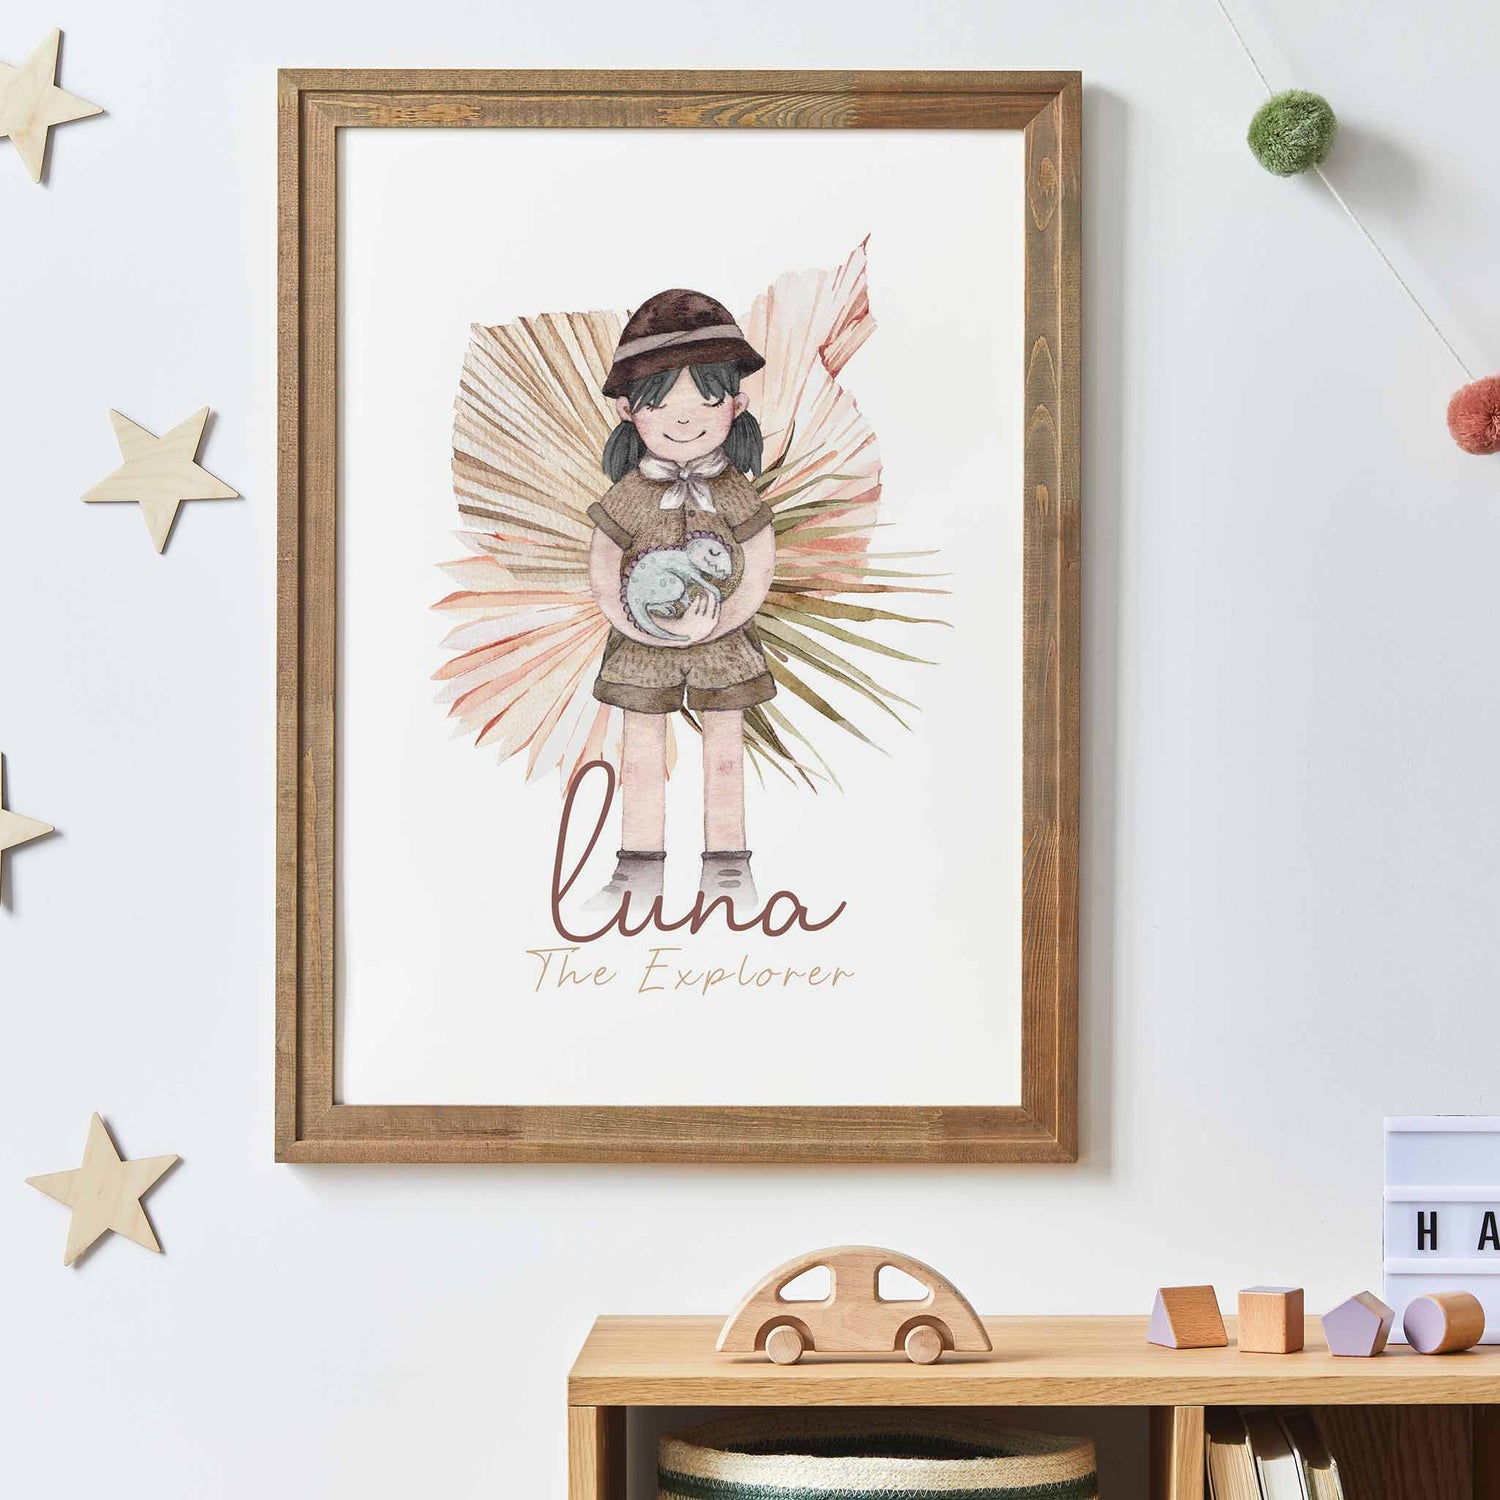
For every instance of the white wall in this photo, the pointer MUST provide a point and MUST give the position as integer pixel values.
(1290, 852)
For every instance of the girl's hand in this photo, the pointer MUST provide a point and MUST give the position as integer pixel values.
(699, 620)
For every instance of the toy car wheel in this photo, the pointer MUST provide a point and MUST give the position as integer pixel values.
(785, 1344)
(924, 1344)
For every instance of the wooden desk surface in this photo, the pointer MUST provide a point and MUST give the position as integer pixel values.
(1036, 1362)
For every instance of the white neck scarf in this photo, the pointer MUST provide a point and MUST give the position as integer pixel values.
(687, 481)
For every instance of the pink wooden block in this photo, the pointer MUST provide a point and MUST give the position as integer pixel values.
(1359, 1326)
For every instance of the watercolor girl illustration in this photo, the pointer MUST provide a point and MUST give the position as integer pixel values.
(625, 589)
(681, 558)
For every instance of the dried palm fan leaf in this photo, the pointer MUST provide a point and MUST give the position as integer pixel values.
(529, 427)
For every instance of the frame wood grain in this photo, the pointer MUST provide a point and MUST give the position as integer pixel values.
(311, 1125)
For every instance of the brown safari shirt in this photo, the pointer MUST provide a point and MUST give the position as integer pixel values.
(630, 515)
(728, 672)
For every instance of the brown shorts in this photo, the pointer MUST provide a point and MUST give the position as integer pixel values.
(729, 672)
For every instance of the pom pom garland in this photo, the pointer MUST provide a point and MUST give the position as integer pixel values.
(1292, 131)
(1474, 416)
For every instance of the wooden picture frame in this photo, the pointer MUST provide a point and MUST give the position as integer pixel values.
(311, 1125)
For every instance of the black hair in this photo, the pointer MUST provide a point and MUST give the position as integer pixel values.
(743, 447)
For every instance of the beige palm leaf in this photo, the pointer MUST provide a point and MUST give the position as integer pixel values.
(529, 428)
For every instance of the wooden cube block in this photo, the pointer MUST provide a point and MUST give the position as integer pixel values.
(1271, 1320)
(1187, 1317)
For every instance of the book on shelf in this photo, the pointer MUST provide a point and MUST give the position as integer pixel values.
(1320, 1474)
(1231, 1464)
(1264, 1453)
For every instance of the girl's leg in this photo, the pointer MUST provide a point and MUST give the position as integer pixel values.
(640, 864)
(726, 860)
(643, 784)
(723, 779)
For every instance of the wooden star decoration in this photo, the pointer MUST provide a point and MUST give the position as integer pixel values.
(31, 104)
(104, 1193)
(14, 829)
(160, 473)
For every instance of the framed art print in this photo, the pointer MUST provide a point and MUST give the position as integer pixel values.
(678, 617)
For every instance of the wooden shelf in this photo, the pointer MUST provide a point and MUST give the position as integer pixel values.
(1036, 1362)
(1053, 1362)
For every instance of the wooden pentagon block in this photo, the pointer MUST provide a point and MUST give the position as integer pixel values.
(1444, 1322)
(1187, 1317)
(1359, 1327)
(1270, 1320)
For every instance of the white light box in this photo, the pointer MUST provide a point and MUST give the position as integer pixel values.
(1442, 1211)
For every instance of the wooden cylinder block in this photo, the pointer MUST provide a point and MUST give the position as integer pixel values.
(1444, 1322)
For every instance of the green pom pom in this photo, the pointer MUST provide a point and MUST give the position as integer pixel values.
(1292, 132)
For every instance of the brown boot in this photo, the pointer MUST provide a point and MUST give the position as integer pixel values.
(726, 872)
(638, 875)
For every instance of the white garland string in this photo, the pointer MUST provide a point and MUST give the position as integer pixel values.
(1344, 204)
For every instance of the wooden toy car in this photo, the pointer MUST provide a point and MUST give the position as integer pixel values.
(854, 1318)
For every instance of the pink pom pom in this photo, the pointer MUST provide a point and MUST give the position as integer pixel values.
(1474, 416)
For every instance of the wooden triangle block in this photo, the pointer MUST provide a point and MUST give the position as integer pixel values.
(1187, 1317)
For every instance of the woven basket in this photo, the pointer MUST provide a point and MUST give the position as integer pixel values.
(827, 1455)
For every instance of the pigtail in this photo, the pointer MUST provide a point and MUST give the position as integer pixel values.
(622, 452)
(745, 447)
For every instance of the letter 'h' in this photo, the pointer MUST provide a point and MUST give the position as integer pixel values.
(1427, 1232)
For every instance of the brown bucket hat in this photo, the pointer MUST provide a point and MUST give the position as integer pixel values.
(673, 329)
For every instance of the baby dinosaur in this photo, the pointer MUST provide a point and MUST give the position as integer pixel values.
(657, 582)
